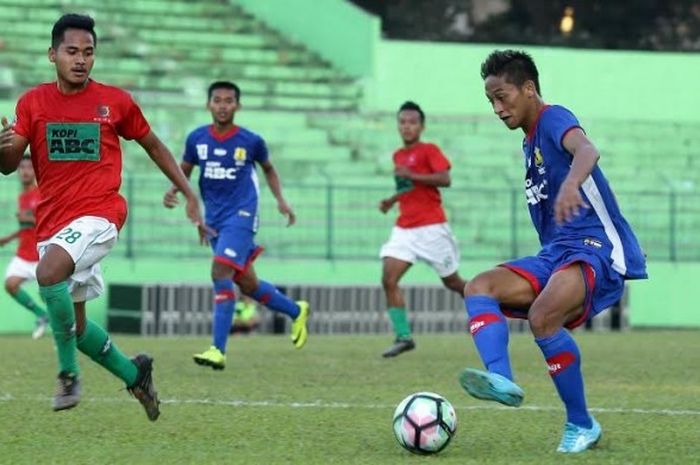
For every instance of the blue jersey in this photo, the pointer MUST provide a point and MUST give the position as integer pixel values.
(602, 227)
(228, 181)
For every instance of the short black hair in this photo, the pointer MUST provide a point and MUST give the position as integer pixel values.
(72, 21)
(224, 85)
(516, 66)
(409, 105)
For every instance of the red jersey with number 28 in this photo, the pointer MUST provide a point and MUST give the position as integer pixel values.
(77, 159)
(420, 204)
(26, 203)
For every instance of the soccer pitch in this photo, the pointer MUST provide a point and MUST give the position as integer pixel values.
(332, 402)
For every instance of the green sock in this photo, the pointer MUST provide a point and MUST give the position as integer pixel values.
(25, 300)
(62, 318)
(400, 322)
(96, 344)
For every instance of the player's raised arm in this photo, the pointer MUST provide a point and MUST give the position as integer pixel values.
(162, 157)
(12, 147)
(273, 182)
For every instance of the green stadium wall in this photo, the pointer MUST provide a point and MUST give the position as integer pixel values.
(338, 31)
(661, 301)
(444, 77)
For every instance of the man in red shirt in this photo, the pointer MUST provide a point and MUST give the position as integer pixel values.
(73, 127)
(22, 267)
(421, 231)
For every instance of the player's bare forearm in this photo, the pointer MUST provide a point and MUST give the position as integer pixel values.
(273, 182)
(186, 170)
(9, 238)
(584, 161)
(585, 156)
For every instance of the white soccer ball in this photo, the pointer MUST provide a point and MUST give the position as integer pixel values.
(424, 423)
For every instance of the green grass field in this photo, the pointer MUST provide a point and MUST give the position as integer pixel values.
(332, 403)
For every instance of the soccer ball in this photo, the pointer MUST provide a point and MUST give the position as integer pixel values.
(424, 423)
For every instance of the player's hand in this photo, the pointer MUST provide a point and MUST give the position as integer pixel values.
(170, 198)
(385, 205)
(6, 134)
(4, 241)
(287, 211)
(403, 172)
(192, 209)
(569, 203)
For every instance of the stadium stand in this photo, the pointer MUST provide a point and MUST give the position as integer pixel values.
(335, 160)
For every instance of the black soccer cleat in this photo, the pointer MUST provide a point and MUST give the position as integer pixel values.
(143, 389)
(67, 393)
(400, 346)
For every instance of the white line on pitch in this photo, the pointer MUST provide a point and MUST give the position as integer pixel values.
(6, 397)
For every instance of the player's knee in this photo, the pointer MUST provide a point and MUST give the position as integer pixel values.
(47, 276)
(389, 282)
(482, 284)
(11, 287)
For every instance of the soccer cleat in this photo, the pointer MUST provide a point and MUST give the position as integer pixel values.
(40, 327)
(67, 393)
(143, 389)
(491, 386)
(400, 346)
(299, 331)
(212, 357)
(578, 439)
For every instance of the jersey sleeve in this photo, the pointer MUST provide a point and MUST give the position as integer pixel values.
(437, 160)
(133, 124)
(558, 122)
(23, 117)
(190, 153)
(261, 154)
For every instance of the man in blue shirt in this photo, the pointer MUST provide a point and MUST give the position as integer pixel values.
(226, 155)
(588, 251)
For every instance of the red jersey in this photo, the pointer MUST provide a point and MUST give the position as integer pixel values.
(77, 159)
(26, 249)
(420, 204)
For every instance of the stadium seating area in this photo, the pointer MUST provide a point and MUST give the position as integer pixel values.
(335, 160)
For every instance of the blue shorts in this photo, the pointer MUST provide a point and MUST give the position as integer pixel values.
(604, 286)
(235, 247)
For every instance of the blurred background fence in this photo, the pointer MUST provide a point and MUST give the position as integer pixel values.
(337, 221)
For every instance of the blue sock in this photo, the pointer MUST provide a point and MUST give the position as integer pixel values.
(564, 363)
(224, 303)
(268, 295)
(490, 333)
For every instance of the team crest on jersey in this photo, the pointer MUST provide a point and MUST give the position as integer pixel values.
(103, 111)
(539, 161)
(202, 151)
(240, 155)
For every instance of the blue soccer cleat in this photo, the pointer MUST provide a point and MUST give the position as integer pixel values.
(578, 439)
(491, 386)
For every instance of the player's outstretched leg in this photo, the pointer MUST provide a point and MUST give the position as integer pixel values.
(135, 372)
(143, 388)
(564, 363)
(491, 386)
(272, 298)
(62, 318)
(224, 305)
(14, 289)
